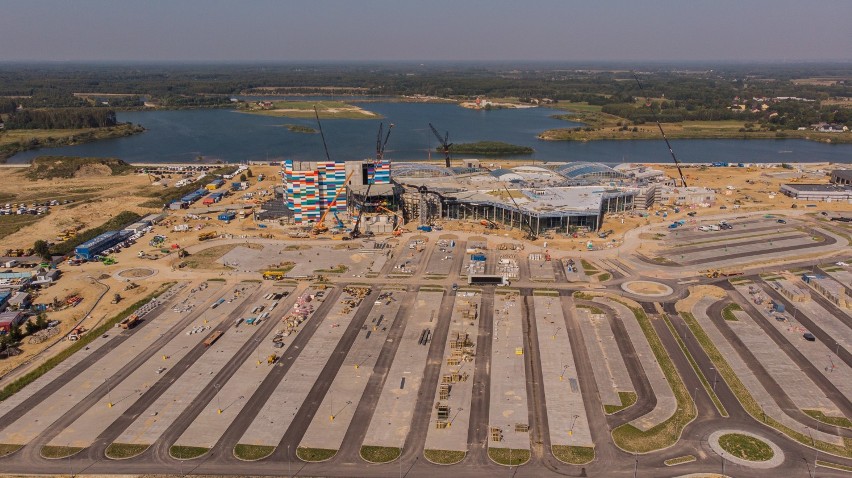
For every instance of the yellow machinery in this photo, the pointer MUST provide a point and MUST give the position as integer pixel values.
(320, 227)
(398, 229)
(274, 275)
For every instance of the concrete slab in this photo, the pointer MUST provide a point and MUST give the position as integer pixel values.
(162, 413)
(441, 259)
(566, 413)
(454, 436)
(607, 364)
(395, 408)
(272, 421)
(821, 318)
(122, 395)
(37, 420)
(818, 353)
(540, 269)
(335, 414)
(751, 382)
(209, 426)
(508, 409)
(801, 389)
(666, 402)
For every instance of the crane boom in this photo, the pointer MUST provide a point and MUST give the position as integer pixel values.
(445, 144)
(320, 227)
(380, 153)
(530, 233)
(676, 162)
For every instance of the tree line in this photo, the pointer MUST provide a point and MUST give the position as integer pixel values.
(61, 118)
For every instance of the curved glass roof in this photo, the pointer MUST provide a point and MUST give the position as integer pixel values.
(419, 170)
(581, 169)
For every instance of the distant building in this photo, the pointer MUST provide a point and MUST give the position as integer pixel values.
(311, 187)
(9, 320)
(680, 196)
(841, 177)
(818, 192)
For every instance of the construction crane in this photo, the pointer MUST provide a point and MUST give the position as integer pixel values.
(445, 144)
(654, 112)
(398, 229)
(531, 236)
(320, 226)
(380, 153)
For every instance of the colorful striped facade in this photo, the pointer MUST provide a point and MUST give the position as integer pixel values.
(379, 173)
(311, 187)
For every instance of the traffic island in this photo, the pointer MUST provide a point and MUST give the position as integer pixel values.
(628, 399)
(380, 454)
(187, 452)
(8, 448)
(680, 460)
(508, 456)
(314, 454)
(123, 451)
(746, 449)
(56, 452)
(444, 457)
(252, 452)
(573, 455)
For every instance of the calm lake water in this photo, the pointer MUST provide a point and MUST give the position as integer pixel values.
(182, 136)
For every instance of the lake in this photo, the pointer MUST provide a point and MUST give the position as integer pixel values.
(183, 135)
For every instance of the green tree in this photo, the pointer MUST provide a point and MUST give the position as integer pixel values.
(243, 177)
(249, 173)
(42, 249)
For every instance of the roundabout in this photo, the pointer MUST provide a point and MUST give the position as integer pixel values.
(647, 288)
(136, 273)
(746, 449)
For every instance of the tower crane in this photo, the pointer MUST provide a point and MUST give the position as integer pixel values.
(380, 153)
(653, 112)
(531, 236)
(445, 144)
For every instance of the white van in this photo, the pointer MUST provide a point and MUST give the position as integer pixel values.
(704, 228)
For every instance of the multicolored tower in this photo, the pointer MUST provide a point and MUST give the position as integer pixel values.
(311, 187)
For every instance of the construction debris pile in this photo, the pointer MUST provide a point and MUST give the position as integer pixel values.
(355, 295)
(507, 266)
(300, 312)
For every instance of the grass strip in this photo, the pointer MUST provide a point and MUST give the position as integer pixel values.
(252, 452)
(509, 456)
(121, 451)
(181, 452)
(628, 399)
(588, 267)
(604, 277)
(56, 452)
(583, 296)
(747, 400)
(822, 417)
(546, 292)
(835, 466)
(728, 312)
(314, 454)
(591, 308)
(746, 447)
(667, 433)
(84, 341)
(704, 382)
(9, 448)
(574, 455)
(679, 460)
(444, 457)
(380, 454)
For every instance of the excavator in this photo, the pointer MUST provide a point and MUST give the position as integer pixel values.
(320, 226)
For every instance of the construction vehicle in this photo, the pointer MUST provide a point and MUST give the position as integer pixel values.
(380, 153)
(715, 273)
(206, 236)
(116, 298)
(445, 144)
(213, 338)
(271, 359)
(108, 261)
(530, 234)
(129, 322)
(274, 275)
(340, 224)
(488, 224)
(76, 333)
(320, 226)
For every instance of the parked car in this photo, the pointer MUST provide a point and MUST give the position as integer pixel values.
(809, 337)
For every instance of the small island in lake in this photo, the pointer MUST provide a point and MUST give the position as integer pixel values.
(298, 128)
(490, 148)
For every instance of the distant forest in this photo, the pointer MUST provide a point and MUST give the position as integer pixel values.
(677, 92)
(61, 118)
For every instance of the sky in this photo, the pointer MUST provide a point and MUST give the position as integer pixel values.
(432, 30)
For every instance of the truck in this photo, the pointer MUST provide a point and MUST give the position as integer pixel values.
(129, 322)
(206, 236)
(217, 303)
(212, 338)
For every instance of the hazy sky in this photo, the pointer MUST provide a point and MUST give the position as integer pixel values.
(425, 30)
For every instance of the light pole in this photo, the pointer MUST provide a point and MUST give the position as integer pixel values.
(571, 432)
(723, 463)
(809, 467)
(218, 399)
(635, 464)
(109, 394)
(714, 378)
(289, 471)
